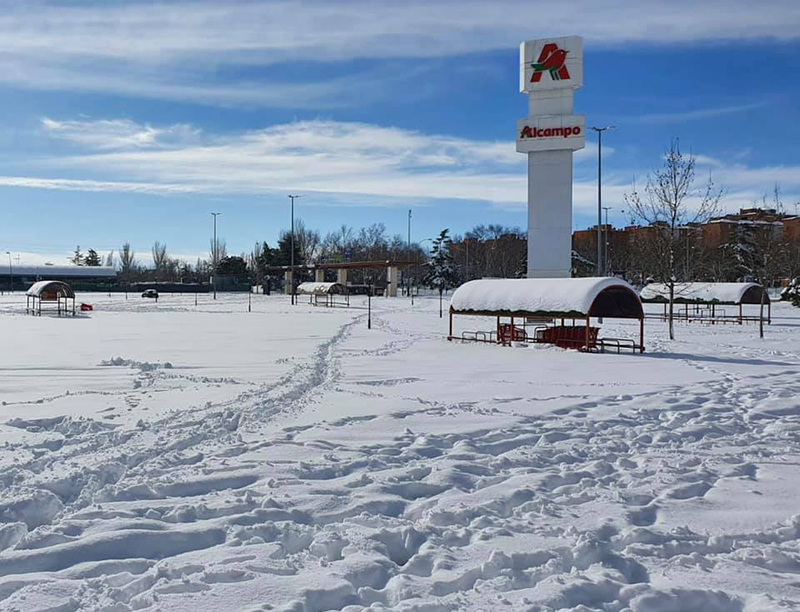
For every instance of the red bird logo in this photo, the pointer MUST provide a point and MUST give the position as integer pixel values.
(551, 60)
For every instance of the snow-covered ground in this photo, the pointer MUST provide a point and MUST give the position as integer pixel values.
(175, 457)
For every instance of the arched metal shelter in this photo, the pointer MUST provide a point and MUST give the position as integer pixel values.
(541, 303)
(705, 302)
(328, 291)
(49, 292)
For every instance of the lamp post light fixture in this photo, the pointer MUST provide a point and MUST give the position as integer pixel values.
(214, 256)
(599, 131)
(291, 274)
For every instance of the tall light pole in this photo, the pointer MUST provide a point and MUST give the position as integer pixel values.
(606, 232)
(215, 256)
(291, 274)
(405, 271)
(10, 271)
(409, 229)
(599, 131)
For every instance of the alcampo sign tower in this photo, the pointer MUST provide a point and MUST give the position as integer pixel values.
(550, 71)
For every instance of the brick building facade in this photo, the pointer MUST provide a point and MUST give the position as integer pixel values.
(767, 222)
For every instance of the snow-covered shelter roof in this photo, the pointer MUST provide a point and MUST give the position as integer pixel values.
(557, 297)
(321, 288)
(56, 288)
(60, 271)
(706, 293)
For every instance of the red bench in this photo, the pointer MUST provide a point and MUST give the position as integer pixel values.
(570, 336)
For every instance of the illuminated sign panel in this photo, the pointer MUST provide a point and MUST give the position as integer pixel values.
(551, 132)
(551, 63)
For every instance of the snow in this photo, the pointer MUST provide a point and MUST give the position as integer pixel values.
(534, 295)
(167, 457)
(36, 288)
(722, 293)
(320, 288)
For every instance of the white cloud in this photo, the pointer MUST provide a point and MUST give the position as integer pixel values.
(119, 133)
(344, 163)
(90, 185)
(320, 156)
(176, 50)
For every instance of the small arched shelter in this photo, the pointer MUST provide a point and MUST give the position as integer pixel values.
(705, 302)
(328, 291)
(49, 292)
(538, 309)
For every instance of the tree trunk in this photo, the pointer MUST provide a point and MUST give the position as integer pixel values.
(671, 309)
(761, 315)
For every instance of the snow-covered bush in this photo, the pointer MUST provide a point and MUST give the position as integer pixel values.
(791, 293)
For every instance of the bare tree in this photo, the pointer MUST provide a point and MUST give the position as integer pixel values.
(127, 261)
(771, 254)
(671, 204)
(308, 241)
(161, 260)
(110, 259)
(217, 252)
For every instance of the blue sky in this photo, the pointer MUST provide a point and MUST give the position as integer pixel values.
(132, 121)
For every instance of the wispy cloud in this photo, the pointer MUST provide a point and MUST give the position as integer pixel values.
(323, 156)
(90, 185)
(347, 163)
(177, 50)
(695, 114)
(120, 134)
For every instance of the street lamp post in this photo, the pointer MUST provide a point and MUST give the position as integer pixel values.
(599, 131)
(409, 228)
(606, 232)
(215, 256)
(409, 255)
(291, 274)
(10, 272)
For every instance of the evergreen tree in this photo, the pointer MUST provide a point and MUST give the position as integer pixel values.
(440, 270)
(283, 254)
(92, 258)
(77, 256)
(263, 257)
(791, 293)
(233, 266)
(741, 251)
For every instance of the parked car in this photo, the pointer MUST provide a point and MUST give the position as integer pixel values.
(150, 293)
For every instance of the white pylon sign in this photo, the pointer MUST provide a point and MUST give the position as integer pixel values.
(551, 69)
